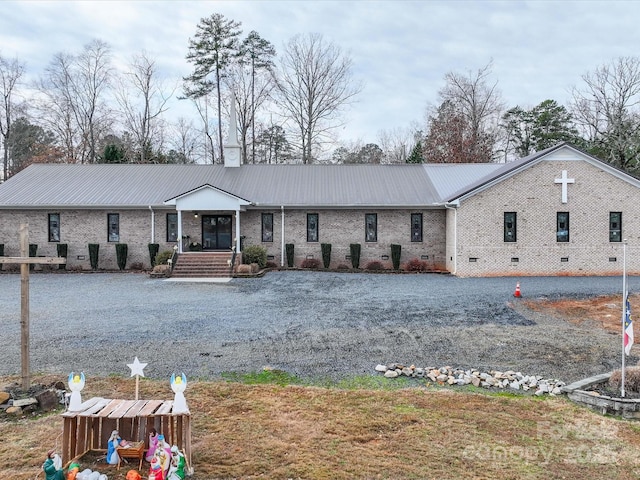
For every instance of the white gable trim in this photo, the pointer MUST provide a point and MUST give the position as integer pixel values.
(207, 197)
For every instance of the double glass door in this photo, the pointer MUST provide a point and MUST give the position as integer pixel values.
(216, 232)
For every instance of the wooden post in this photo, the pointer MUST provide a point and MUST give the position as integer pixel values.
(24, 261)
(24, 307)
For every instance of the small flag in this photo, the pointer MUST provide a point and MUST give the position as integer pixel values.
(628, 328)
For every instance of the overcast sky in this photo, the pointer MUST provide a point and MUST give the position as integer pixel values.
(401, 50)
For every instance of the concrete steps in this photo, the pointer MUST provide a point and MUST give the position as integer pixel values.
(203, 265)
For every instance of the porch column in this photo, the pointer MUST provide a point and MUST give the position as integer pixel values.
(238, 230)
(179, 231)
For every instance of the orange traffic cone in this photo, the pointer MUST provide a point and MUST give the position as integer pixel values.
(517, 292)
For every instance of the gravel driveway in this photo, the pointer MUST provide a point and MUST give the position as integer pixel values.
(312, 324)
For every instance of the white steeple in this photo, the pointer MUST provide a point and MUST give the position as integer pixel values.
(232, 147)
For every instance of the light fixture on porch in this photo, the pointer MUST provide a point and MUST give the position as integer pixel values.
(195, 214)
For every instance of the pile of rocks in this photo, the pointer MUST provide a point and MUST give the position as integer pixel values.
(45, 398)
(492, 379)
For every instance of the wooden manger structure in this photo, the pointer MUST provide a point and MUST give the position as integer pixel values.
(89, 428)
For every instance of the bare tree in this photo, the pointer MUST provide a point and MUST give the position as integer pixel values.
(73, 102)
(478, 102)
(10, 73)
(211, 51)
(143, 98)
(606, 109)
(93, 79)
(314, 83)
(257, 53)
(184, 141)
(211, 142)
(396, 143)
(55, 106)
(250, 92)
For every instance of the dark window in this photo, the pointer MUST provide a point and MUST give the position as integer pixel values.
(510, 226)
(371, 227)
(416, 227)
(172, 227)
(113, 227)
(615, 226)
(267, 227)
(312, 227)
(562, 229)
(54, 227)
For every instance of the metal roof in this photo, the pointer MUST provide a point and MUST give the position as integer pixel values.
(134, 186)
(448, 178)
(140, 186)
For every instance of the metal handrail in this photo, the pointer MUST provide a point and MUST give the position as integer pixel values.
(233, 258)
(174, 257)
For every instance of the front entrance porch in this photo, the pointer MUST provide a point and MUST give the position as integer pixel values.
(217, 214)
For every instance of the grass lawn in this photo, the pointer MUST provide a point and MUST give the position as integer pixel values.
(266, 425)
(270, 430)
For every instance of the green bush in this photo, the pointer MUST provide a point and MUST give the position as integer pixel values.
(354, 249)
(94, 249)
(289, 248)
(62, 249)
(326, 254)
(255, 254)
(396, 252)
(33, 252)
(121, 255)
(153, 251)
(162, 257)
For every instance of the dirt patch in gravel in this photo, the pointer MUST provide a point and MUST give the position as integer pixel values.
(603, 311)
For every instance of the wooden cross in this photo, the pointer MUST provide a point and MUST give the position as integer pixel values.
(24, 261)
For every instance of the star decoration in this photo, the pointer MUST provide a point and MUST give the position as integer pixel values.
(137, 367)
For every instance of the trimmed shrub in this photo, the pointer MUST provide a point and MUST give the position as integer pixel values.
(631, 379)
(33, 252)
(62, 249)
(374, 265)
(310, 263)
(396, 252)
(153, 251)
(354, 249)
(94, 249)
(121, 255)
(255, 254)
(162, 257)
(289, 248)
(326, 254)
(137, 266)
(342, 266)
(416, 265)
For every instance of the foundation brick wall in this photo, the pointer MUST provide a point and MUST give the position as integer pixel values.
(534, 196)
